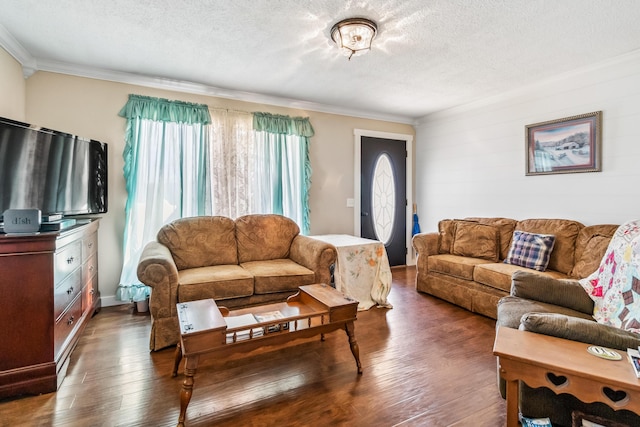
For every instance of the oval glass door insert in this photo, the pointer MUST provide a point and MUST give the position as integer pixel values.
(383, 198)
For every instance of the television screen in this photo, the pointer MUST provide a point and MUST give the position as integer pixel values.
(53, 171)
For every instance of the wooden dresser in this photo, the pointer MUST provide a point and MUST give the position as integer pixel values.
(48, 292)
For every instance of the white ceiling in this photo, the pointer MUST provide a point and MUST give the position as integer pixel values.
(428, 56)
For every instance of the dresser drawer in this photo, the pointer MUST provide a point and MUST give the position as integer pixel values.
(89, 294)
(66, 324)
(89, 269)
(67, 259)
(66, 291)
(89, 245)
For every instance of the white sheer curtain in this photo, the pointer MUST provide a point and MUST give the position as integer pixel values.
(232, 163)
(255, 172)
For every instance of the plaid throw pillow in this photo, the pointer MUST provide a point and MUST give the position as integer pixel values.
(530, 250)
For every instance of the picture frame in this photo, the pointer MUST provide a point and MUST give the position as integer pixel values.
(568, 145)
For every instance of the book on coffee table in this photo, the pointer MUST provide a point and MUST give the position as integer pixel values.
(272, 316)
(234, 322)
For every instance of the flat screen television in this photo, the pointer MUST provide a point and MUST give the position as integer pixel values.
(56, 172)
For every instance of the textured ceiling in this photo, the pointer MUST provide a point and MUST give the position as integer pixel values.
(428, 56)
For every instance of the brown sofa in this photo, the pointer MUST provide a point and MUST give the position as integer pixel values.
(462, 262)
(255, 259)
(550, 302)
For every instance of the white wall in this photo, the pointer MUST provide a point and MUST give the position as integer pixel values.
(470, 161)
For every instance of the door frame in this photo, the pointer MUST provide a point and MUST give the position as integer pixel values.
(357, 182)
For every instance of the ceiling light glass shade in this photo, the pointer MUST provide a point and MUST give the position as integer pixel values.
(354, 36)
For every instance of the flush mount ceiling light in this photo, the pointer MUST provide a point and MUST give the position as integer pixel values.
(354, 36)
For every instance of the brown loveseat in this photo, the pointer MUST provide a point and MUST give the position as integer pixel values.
(462, 262)
(253, 260)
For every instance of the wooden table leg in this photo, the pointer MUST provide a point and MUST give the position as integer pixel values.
(190, 367)
(355, 350)
(512, 403)
(178, 358)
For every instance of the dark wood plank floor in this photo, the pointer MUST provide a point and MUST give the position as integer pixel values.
(426, 363)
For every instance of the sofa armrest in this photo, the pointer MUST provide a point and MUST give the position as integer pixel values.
(425, 244)
(582, 330)
(563, 292)
(157, 270)
(314, 254)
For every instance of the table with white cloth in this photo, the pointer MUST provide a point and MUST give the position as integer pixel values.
(361, 270)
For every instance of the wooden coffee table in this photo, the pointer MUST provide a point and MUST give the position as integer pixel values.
(314, 310)
(563, 366)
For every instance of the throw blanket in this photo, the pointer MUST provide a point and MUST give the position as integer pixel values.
(615, 286)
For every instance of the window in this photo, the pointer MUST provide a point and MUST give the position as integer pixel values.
(185, 160)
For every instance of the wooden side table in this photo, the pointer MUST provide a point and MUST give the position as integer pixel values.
(563, 366)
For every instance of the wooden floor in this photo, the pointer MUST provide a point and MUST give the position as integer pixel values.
(426, 363)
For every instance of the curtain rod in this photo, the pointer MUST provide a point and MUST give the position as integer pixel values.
(228, 110)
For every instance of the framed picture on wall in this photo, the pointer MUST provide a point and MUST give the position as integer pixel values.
(568, 145)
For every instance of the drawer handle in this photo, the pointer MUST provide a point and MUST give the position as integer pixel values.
(91, 268)
(90, 245)
(70, 321)
(70, 290)
(70, 260)
(92, 291)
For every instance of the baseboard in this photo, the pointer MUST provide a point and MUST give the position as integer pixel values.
(110, 301)
(35, 379)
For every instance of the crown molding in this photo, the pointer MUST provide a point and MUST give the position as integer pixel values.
(15, 49)
(202, 89)
(612, 63)
(30, 65)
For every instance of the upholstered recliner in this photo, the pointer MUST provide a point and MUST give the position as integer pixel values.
(601, 309)
(255, 259)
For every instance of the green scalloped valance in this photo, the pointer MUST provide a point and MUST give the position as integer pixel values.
(164, 110)
(275, 123)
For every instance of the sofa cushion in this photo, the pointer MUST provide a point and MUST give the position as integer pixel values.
(264, 237)
(591, 245)
(454, 265)
(530, 250)
(500, 276)
(218, 282)
(553, 290)
(200, 241)
(278, 275)
(494, 275)
(505, 227)
(577, 329)
(511, 309)
(476, 240)
(566, 233)
(446, 232)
